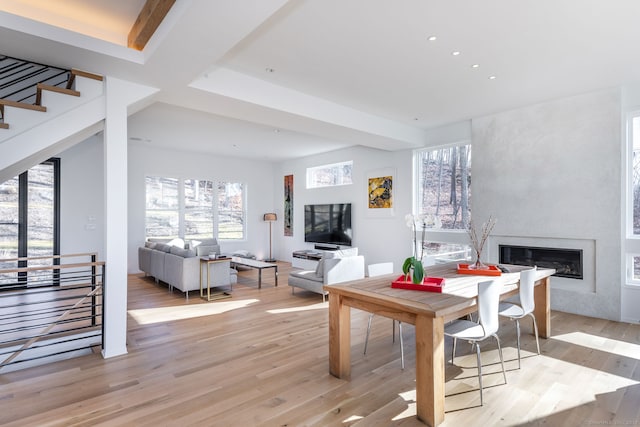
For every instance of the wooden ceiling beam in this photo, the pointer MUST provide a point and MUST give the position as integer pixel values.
(150, 17)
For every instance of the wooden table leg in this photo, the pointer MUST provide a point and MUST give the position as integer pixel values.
(339, 337)
(542, 310)
(430, 369)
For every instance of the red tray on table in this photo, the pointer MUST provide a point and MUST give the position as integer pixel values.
(492, 270)
(429, 284)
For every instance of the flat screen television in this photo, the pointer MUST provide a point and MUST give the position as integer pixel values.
(328, 223)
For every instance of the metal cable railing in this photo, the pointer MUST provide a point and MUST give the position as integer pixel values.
(50, 306)
(19, 78)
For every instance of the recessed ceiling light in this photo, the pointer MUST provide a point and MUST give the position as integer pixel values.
(492, 77)
(269, 70)
(432, 38)
(476, 66)
(276, 130)
(455, 53)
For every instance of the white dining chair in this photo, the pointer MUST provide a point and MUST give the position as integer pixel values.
(378, 270)
(525, 308)
(487, 326)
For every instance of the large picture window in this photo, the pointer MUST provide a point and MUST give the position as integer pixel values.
(194, 209)
(442, 183)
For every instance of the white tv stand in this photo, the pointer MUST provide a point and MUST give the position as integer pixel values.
(308, 259)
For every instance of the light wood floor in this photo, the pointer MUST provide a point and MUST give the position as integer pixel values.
(260, 359)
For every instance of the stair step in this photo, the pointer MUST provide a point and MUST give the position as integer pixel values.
(23, 105)
(75, 72)
(42, 86)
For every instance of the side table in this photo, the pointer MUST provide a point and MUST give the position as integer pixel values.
(219, 270)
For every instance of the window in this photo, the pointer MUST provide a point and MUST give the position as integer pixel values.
(442, 183)
(187, 208)
(29, 215)
(231, 210)
(198, 209)
(330, 175)
(632, 243)
(162, 207)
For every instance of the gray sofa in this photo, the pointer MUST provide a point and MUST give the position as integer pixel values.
(179, 267)
(334, 267)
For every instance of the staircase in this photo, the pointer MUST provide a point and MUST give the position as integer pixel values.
(43, 111)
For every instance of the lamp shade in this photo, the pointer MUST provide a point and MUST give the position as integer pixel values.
(270, 217)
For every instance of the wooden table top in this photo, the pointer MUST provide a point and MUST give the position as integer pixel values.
(458, 295)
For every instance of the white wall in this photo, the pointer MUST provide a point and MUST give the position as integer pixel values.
(82, 198)
(378, 238)
(146, 160)
(553, 171)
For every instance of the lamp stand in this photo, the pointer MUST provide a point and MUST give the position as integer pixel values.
(270, 259)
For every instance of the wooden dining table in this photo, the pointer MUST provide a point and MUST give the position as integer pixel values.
(428, 311)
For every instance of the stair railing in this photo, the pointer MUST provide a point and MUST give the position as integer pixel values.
(52, 306)
(19, 78)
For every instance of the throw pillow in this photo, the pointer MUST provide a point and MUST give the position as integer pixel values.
(185, 253)
(178, 243)
(163, 247)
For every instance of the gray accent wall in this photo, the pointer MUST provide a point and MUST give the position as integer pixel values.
(552, 172)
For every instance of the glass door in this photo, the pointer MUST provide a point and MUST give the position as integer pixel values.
(29, 221)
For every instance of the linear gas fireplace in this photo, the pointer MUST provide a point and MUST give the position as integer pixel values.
(567, 262)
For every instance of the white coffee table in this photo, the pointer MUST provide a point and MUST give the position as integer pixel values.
(259, 265)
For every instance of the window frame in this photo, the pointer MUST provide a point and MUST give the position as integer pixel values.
(312, 169)
(438, 236)
(416, 208)
(182, 209)
(631, 242)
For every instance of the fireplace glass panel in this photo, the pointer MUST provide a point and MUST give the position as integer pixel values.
(566, 262)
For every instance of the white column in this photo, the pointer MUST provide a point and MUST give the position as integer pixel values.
(120, 96)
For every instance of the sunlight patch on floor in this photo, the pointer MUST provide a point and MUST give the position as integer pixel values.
(352, 418)
(147, 316)
(621, 348)
(410, 398)
(318, 306)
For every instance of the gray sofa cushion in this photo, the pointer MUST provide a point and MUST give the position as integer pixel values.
(185, 253)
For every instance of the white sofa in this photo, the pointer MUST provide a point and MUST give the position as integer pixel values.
(334, 267)
(173, 264)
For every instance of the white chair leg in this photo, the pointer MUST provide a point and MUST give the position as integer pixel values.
(401, 345)
(479, 371)
(504, 373)
(393, 331)
(453, 350)
(535, 330)
(518, 340)
(366, 340)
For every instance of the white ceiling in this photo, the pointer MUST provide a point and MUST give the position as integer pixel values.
(345, 72)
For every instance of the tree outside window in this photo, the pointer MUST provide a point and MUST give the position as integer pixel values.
(443, 189)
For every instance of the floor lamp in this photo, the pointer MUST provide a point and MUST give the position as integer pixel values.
(270, 218)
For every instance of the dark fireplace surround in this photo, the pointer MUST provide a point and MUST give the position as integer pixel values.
(567, 262)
